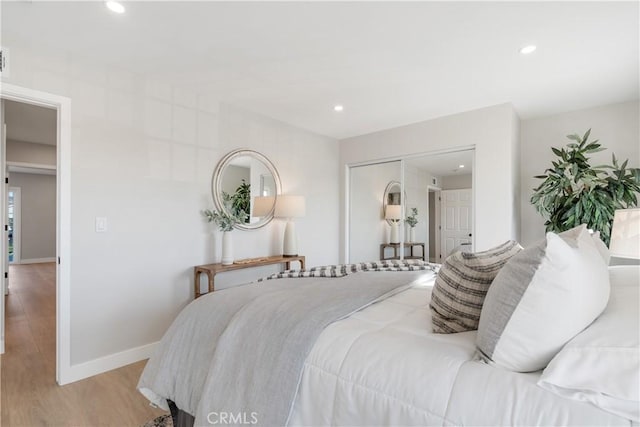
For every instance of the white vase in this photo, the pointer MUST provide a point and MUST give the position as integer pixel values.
(412, 234)
(227, 248)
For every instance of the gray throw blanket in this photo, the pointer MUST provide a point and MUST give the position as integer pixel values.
(241, 351)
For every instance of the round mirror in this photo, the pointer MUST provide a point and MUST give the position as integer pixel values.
(392, 196)
(245, 181)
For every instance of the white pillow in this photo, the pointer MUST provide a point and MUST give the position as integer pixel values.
(601, 365)
(601, 247)
(577, 232)
(540, 299)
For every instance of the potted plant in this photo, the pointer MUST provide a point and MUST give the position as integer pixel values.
(225, 220)
(412, 221)
(241, 200)
(573, 192)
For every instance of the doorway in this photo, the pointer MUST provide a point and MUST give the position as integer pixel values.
(433, 247)
(60, 106)
(14, 214)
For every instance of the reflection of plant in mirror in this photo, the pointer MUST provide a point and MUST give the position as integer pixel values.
(412, 219)
(224, 220)
(240, 201)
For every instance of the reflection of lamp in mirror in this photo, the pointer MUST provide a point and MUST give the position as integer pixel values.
(290, 207)
(393, 214)
(262, 206)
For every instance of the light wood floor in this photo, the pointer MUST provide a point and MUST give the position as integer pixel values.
(30, 395)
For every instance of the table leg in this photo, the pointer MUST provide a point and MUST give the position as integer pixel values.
(196, 283)
(210, 276)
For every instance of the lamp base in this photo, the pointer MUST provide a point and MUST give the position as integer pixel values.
(290, 244)
(394, 238)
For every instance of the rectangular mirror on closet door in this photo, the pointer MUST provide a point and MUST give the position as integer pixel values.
(368, 228)
(439, 193)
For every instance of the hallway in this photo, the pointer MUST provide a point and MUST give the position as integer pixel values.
(30, 395)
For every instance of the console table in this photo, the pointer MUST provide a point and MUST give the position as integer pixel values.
(212, 269)
(397, 246)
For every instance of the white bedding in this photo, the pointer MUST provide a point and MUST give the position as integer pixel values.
(383, 366)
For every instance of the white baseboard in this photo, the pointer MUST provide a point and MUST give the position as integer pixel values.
(107, 363)
(37, 260)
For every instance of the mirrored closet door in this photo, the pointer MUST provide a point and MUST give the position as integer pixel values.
(368, 228)
(418, 207)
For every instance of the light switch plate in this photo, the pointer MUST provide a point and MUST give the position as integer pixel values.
(101, 224)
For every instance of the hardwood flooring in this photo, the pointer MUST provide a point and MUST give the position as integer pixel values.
(29, 393)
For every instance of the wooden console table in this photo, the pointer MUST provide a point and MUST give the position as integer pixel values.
(212, 269)
(397, 246)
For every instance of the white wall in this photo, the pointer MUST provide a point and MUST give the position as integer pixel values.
(38, 215)
(456, 182)
(142, 155)
(490, 130)
(616, 126)
(27, 152)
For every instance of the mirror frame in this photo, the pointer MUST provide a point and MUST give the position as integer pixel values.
(387, 190)
(216, 184)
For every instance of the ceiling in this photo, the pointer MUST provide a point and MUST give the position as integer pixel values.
(30, 123)
(388, 63)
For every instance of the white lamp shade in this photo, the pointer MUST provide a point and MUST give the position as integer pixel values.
(393, 212)
(263, 205)
(290, 207)
(625, 234)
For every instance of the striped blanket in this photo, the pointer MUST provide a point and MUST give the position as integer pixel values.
(341, 270)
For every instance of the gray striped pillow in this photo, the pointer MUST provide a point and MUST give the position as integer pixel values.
(462, 284)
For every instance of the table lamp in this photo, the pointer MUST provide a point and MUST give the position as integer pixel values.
(290, 207)
(263, 206)
(393, 214)
(625, 234)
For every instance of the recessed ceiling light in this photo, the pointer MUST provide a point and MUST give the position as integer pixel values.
(528, 49)
(116, 7)
(460, 166)
(338, 108)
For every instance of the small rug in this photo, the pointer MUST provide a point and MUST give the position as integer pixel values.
(161, 421)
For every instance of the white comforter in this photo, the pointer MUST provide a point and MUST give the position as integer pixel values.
(383, 366)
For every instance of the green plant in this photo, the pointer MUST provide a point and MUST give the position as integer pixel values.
(574, 192)
(412, 219)
(241, 200)
(223, 219)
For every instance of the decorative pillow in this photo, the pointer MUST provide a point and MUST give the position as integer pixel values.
(541, 299)
(461, 285)
(575, 232)
(601, 247)
(601, 365)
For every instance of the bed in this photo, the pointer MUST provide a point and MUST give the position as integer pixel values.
(377, 364)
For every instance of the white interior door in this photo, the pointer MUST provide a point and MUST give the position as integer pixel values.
(456, 221)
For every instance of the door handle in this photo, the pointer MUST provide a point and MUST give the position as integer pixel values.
(469, 234)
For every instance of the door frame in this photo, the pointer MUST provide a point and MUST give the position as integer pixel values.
(62, 105)
(17, 211)
(436, 224)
